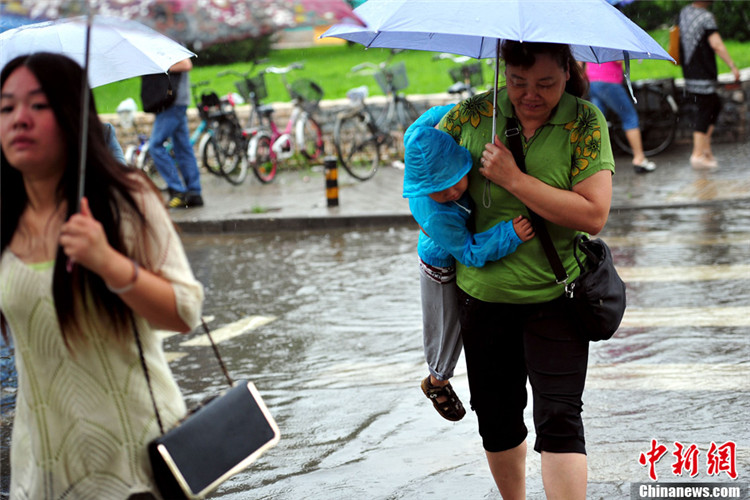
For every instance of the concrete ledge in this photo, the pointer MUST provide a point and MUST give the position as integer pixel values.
(274, 224)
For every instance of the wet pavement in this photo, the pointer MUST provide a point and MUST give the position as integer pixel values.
(320, 308)
(339, 357)
(297, 199)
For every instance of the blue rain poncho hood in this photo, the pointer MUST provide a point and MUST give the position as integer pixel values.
(434, 162)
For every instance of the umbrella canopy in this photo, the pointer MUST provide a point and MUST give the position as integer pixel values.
(595, 30)
(119, 48)
(200, 23)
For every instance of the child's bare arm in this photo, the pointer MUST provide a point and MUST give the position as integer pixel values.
(523, 228)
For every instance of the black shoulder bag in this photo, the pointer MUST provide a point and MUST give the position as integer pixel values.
(215, 441)
(598, 294)
(159, 91)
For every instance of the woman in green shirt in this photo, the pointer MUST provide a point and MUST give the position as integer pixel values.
(514, 321)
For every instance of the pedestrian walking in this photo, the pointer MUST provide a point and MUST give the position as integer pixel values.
(606, 91)
(75, 286)
(181, 171)
(515, 323)
(700, 43)
(435, 182)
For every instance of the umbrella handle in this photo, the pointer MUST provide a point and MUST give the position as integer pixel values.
(487, 193)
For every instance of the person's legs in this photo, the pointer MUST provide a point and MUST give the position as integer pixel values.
(636, 144)
(708, 107)
(508, 468)
(441, 336)
(619, 100)
(494, 352)
(183, 151)
(164, 125)
(707, 152)
(564, 475)
(556, 360)
(441, 328)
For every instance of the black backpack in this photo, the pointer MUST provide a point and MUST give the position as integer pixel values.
(159, 91)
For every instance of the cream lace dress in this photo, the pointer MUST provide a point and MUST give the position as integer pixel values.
(83, 418)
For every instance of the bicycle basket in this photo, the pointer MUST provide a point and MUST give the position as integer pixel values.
(307, 92)
(255, 85)
(392, 78)
(471, 71)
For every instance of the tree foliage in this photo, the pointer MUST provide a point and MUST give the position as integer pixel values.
(732, 16)
(252, 49)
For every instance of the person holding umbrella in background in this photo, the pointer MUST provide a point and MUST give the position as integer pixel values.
(83, 411)
(515, 323)
(181, 172)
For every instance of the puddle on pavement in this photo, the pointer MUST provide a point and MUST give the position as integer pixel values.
(340, 364)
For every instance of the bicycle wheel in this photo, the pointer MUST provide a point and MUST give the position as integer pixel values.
(309, 137)
(262, 158)
(209, 155)
(147, 165)
(657, 114)
(235, 168)
(229, 138)
(658, 122)
(357, 145)
(406, 113)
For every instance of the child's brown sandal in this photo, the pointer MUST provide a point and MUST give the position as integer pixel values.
(450, 408)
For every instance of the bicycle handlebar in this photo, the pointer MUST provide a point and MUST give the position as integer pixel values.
(364, 66)
(456, 59)
(286, 69)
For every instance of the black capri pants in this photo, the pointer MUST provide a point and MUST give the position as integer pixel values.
(706, 111)
(506, 343)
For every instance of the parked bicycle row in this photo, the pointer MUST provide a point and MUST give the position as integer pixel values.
(364, 135)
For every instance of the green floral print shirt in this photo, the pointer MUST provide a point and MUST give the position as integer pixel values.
(570, 147)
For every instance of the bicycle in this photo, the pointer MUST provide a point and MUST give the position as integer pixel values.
(302, 133)
(399, 111)
(467, 77)
(252, 88)
(359, 136)
(213, 136)
(658, 114)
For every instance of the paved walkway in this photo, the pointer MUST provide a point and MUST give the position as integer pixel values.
(296, 200)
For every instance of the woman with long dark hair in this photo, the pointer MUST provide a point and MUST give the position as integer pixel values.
(74, 284)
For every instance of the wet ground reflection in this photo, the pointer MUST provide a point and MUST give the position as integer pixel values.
(340, 365)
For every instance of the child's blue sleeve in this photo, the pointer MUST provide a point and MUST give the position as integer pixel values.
(472, 250)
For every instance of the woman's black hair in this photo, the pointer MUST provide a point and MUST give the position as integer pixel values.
(524, 54)
(60, 78)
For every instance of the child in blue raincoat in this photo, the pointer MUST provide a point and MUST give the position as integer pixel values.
(435, 182)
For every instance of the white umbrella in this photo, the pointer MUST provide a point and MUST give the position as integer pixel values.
(595, 30)
(119, 48)
(109, 49)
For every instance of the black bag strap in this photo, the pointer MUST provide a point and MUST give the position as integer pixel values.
(145, 367)
(513, 134)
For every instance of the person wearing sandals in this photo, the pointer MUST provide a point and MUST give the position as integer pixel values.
(517, 326)
(435, 181)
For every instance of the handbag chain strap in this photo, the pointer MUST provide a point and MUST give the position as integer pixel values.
(513, 134)
(145, 366)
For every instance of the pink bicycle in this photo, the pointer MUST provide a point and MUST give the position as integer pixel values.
(302, 134)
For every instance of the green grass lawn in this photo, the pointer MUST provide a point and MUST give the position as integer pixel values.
(330, 66)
